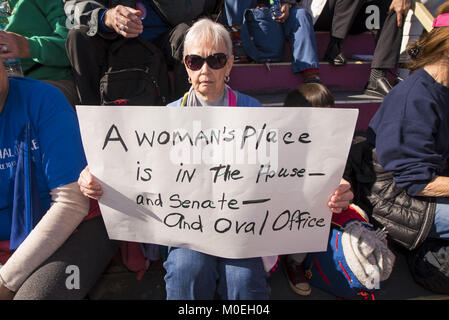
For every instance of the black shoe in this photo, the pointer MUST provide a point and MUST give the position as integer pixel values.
(337, 61)
(378, 88)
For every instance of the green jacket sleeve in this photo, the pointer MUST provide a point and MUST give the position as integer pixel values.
(42, 23)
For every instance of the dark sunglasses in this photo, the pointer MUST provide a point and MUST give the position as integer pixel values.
(215, 61)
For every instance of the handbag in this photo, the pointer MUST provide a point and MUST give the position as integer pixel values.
(262, 37)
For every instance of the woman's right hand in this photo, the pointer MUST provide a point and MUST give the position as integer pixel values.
(90, 186)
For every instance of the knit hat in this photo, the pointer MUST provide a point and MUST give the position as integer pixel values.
(357, 258)
(367, 254)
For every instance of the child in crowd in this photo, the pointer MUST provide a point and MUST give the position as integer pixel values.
(306, 95)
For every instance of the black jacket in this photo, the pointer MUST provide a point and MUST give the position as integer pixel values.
(407, 219)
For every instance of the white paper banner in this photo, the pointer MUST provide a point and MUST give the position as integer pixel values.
(231, 182)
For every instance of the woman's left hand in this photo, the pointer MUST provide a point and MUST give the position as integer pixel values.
(13, 45)
(285, 9)
(341, 198)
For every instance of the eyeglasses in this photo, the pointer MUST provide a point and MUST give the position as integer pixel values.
(215, 61)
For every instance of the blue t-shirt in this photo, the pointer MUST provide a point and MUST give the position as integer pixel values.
(56, 146)
(411, 131)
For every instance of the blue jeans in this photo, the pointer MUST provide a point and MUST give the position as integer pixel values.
(192, 275)
(440, 227)
(298, 29)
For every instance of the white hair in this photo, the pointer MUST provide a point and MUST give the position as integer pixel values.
(206, 30)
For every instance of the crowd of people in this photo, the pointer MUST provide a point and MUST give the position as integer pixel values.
(49, 216)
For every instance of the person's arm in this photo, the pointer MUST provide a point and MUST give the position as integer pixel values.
(47, 47)
(401, 7)
(88, 13)
(437, 187)
(125, 21)
(406, 141)
(68, 209)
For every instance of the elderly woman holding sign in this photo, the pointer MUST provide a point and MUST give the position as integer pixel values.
(190, 274)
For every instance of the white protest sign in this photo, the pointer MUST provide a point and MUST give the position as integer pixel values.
(230, 182)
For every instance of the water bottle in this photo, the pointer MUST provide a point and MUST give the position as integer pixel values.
(13, 67)
(275, 9)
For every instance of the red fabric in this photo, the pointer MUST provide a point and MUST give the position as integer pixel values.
(131, 252)
(5, 252)
(94, 210)
(133, 258)
(343, 217)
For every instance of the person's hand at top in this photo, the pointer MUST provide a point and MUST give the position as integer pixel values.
(124, 20)
(401, 7)
(89, 186)
(341, 198)
(13, 45)
(285, 9)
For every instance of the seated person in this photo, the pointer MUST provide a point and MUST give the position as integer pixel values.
(192, 274)
(36, 34)
(410, 196)
(306, 95)
(343, 16)
(102, 22)
(44, 221)
(298, 30)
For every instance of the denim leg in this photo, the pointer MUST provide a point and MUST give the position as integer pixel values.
(440, 228)
(242, 279)
(234, 9)
(298, 29)
(191, 275)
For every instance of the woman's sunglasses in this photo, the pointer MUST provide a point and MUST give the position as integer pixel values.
(215, 61)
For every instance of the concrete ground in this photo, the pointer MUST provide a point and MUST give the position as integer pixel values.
(120, 284)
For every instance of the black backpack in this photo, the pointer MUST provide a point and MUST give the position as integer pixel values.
(429, 265)
(136, 74)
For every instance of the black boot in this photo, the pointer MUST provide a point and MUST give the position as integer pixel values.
(334, 54)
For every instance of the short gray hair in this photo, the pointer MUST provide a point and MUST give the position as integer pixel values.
(210, 31)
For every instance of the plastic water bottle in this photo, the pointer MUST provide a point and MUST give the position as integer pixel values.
(13, 67)
(275, 9)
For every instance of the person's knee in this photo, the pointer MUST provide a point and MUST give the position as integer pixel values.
(77, 35)
(190, 275)
(247, 282)
(184, 265)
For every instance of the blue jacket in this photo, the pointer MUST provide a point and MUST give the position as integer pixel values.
(242, 101)
(410, 132)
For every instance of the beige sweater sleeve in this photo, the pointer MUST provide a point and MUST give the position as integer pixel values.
(68, 209)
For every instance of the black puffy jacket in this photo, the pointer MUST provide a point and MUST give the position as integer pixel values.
(407, 219)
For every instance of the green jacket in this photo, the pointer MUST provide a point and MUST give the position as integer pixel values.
(43, 23)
